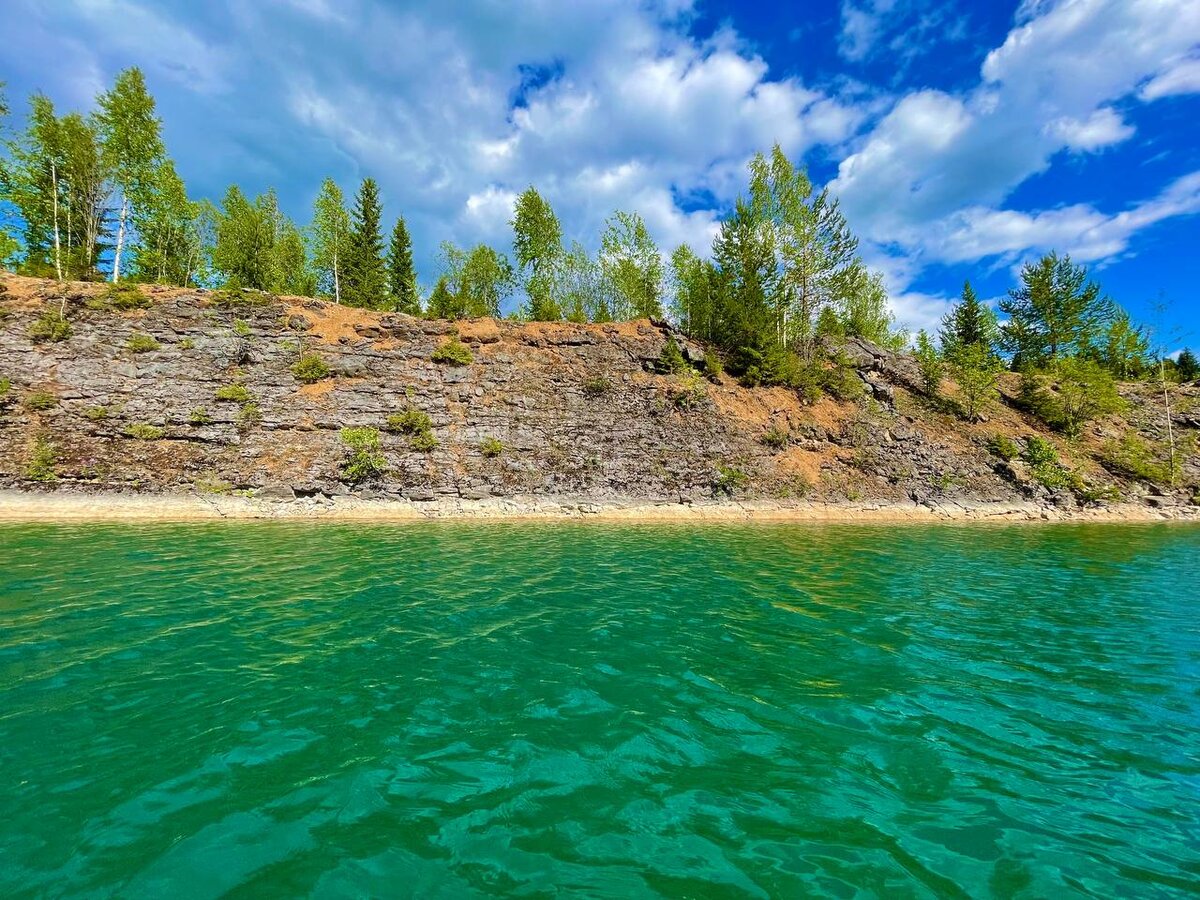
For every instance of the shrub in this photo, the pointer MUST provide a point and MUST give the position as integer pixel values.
(97, 413)
(1081, 391)
(5, 387)
(49, 327)
(241, 328)
(976, 372)
(1045, 466)
(310, 368)
(1136, 458)
(728, 480)
(234, 393)
(713, 370)
(1003, 446)
(491, 447)
(211, 485)
(411, 421)
(776, 438)
(670, 360)
(688, 391)
(199, 416)
(141, 343)
(597, 385)
(233, 295)
(42, 462)
(842, 383)
(423, 441)
(249, 415)
(186, 344)
(123, 296)
(39, 401)
(453, 352)
(143, 432)
(364, 461)
(930, 363)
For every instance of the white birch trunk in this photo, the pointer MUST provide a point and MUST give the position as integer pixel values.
(57, 244)
(116, 275)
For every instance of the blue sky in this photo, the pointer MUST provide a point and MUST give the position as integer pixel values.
(963, 138)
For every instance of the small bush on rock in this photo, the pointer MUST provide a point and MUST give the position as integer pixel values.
(122, 296)
(199, 416)
(143, 432)
(1134, 457)
(97, 413)
(310, 368)
(670, 360)
(729, 480)
(42, 462)
(1003, 446)
(423, 442)
(49, 328)
(40, 401)
(249, 415)
(688, 391)
(596, 386)
(410, 421)
(776, 438)
(491, 447)
(141, 343)
(233, 393)
(364, 462)
(453, 352)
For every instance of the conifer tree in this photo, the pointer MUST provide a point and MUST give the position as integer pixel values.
(366, 273)
(1187, 366)
(402, 277)
(537, 243)
(968, 322)
(441, 301)
(1057, 311)
(132, 148)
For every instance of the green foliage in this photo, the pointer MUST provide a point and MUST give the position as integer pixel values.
(631, 263)
(49, 328)
(142, 343)
(776, 438)
(143, 432)
(453, 352)
(969, 323)
(258, 248)
(713, 370)
(330, 235)
(402, 277)
(97, 413)
(670, 360)
(241, 328)
(310, 368)
(410, 421)
(596, 386)
(729, 480)
(40, 401)
(235, 296)
(123, 296)
(1056, 312)
(1124, 349)
(841, 382)
(211, 485)
(42, 462)
(694, 298)
(1187, 366)
(366, 281)
(1003, 446)
(186, 344)
(1073, 393)
(233, 393)
(364, 461)
(537, 244)
(474, 284)
(688, 391)
(1134, 457)
(491, 447)
(5, 387)
(931, 364)
(976, 372)
(249, 415)
(199, 416)
(1045, 467)
(423, 442)
(861, 310)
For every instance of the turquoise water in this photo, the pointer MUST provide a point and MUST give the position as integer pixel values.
(448, 710)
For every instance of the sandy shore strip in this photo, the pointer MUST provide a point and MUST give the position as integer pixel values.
(22, 506)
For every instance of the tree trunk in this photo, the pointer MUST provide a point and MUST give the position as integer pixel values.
(116, 273)
(337, 288)
(1162, 372)
(57, 245)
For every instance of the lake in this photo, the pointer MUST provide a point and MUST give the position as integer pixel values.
(457, 710)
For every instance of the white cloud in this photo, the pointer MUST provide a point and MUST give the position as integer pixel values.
(1181, 77)
(1103, 128)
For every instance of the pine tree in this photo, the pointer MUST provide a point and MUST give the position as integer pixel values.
(366, 272)
(1057, 311)
(132, 148)
(1187, 366)
(968, 322)
(402, 277)
(441, 302)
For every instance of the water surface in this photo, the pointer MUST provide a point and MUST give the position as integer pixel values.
(451, 710)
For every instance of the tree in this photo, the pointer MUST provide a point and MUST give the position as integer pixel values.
(330, 231)
(931, 363)
(402, 277)
(968, 322)
(1186, 365)
(166, 251)
(441, 301)
(537, 244)
(131, 147)
(862, 309)
(245, 240)
(33, 184)
(817, 254)
(290, 272)
(744, 317)
(976, 371)
(1124, 348)
(475, 283)
(1057, 311)
(585, 294)
(694, 296)
(631, 263)
(366, 273)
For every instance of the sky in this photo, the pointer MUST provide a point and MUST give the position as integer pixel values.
(963, 138)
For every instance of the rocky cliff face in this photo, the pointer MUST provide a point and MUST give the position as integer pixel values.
(131, 400)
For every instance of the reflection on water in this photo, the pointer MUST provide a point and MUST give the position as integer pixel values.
(457, 710)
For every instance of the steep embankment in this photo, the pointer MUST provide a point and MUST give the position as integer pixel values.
(130, 401)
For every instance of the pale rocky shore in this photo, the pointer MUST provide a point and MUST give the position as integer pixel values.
(23, 506)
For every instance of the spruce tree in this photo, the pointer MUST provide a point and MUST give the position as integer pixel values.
(1186, 366)
(366, 273)
(402, 278)
(970, 322)
(1056, 312)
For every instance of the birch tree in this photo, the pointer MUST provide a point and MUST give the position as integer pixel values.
(632, 265)
(330, 229)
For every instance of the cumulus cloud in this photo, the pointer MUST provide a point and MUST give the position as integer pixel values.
(1180, 77)
(1102, 128)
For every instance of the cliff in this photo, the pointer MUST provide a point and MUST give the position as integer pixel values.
(129, 401)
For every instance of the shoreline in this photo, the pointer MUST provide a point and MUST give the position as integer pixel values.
(24, 506)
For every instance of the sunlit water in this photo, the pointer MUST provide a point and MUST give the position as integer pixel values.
(254, 710)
